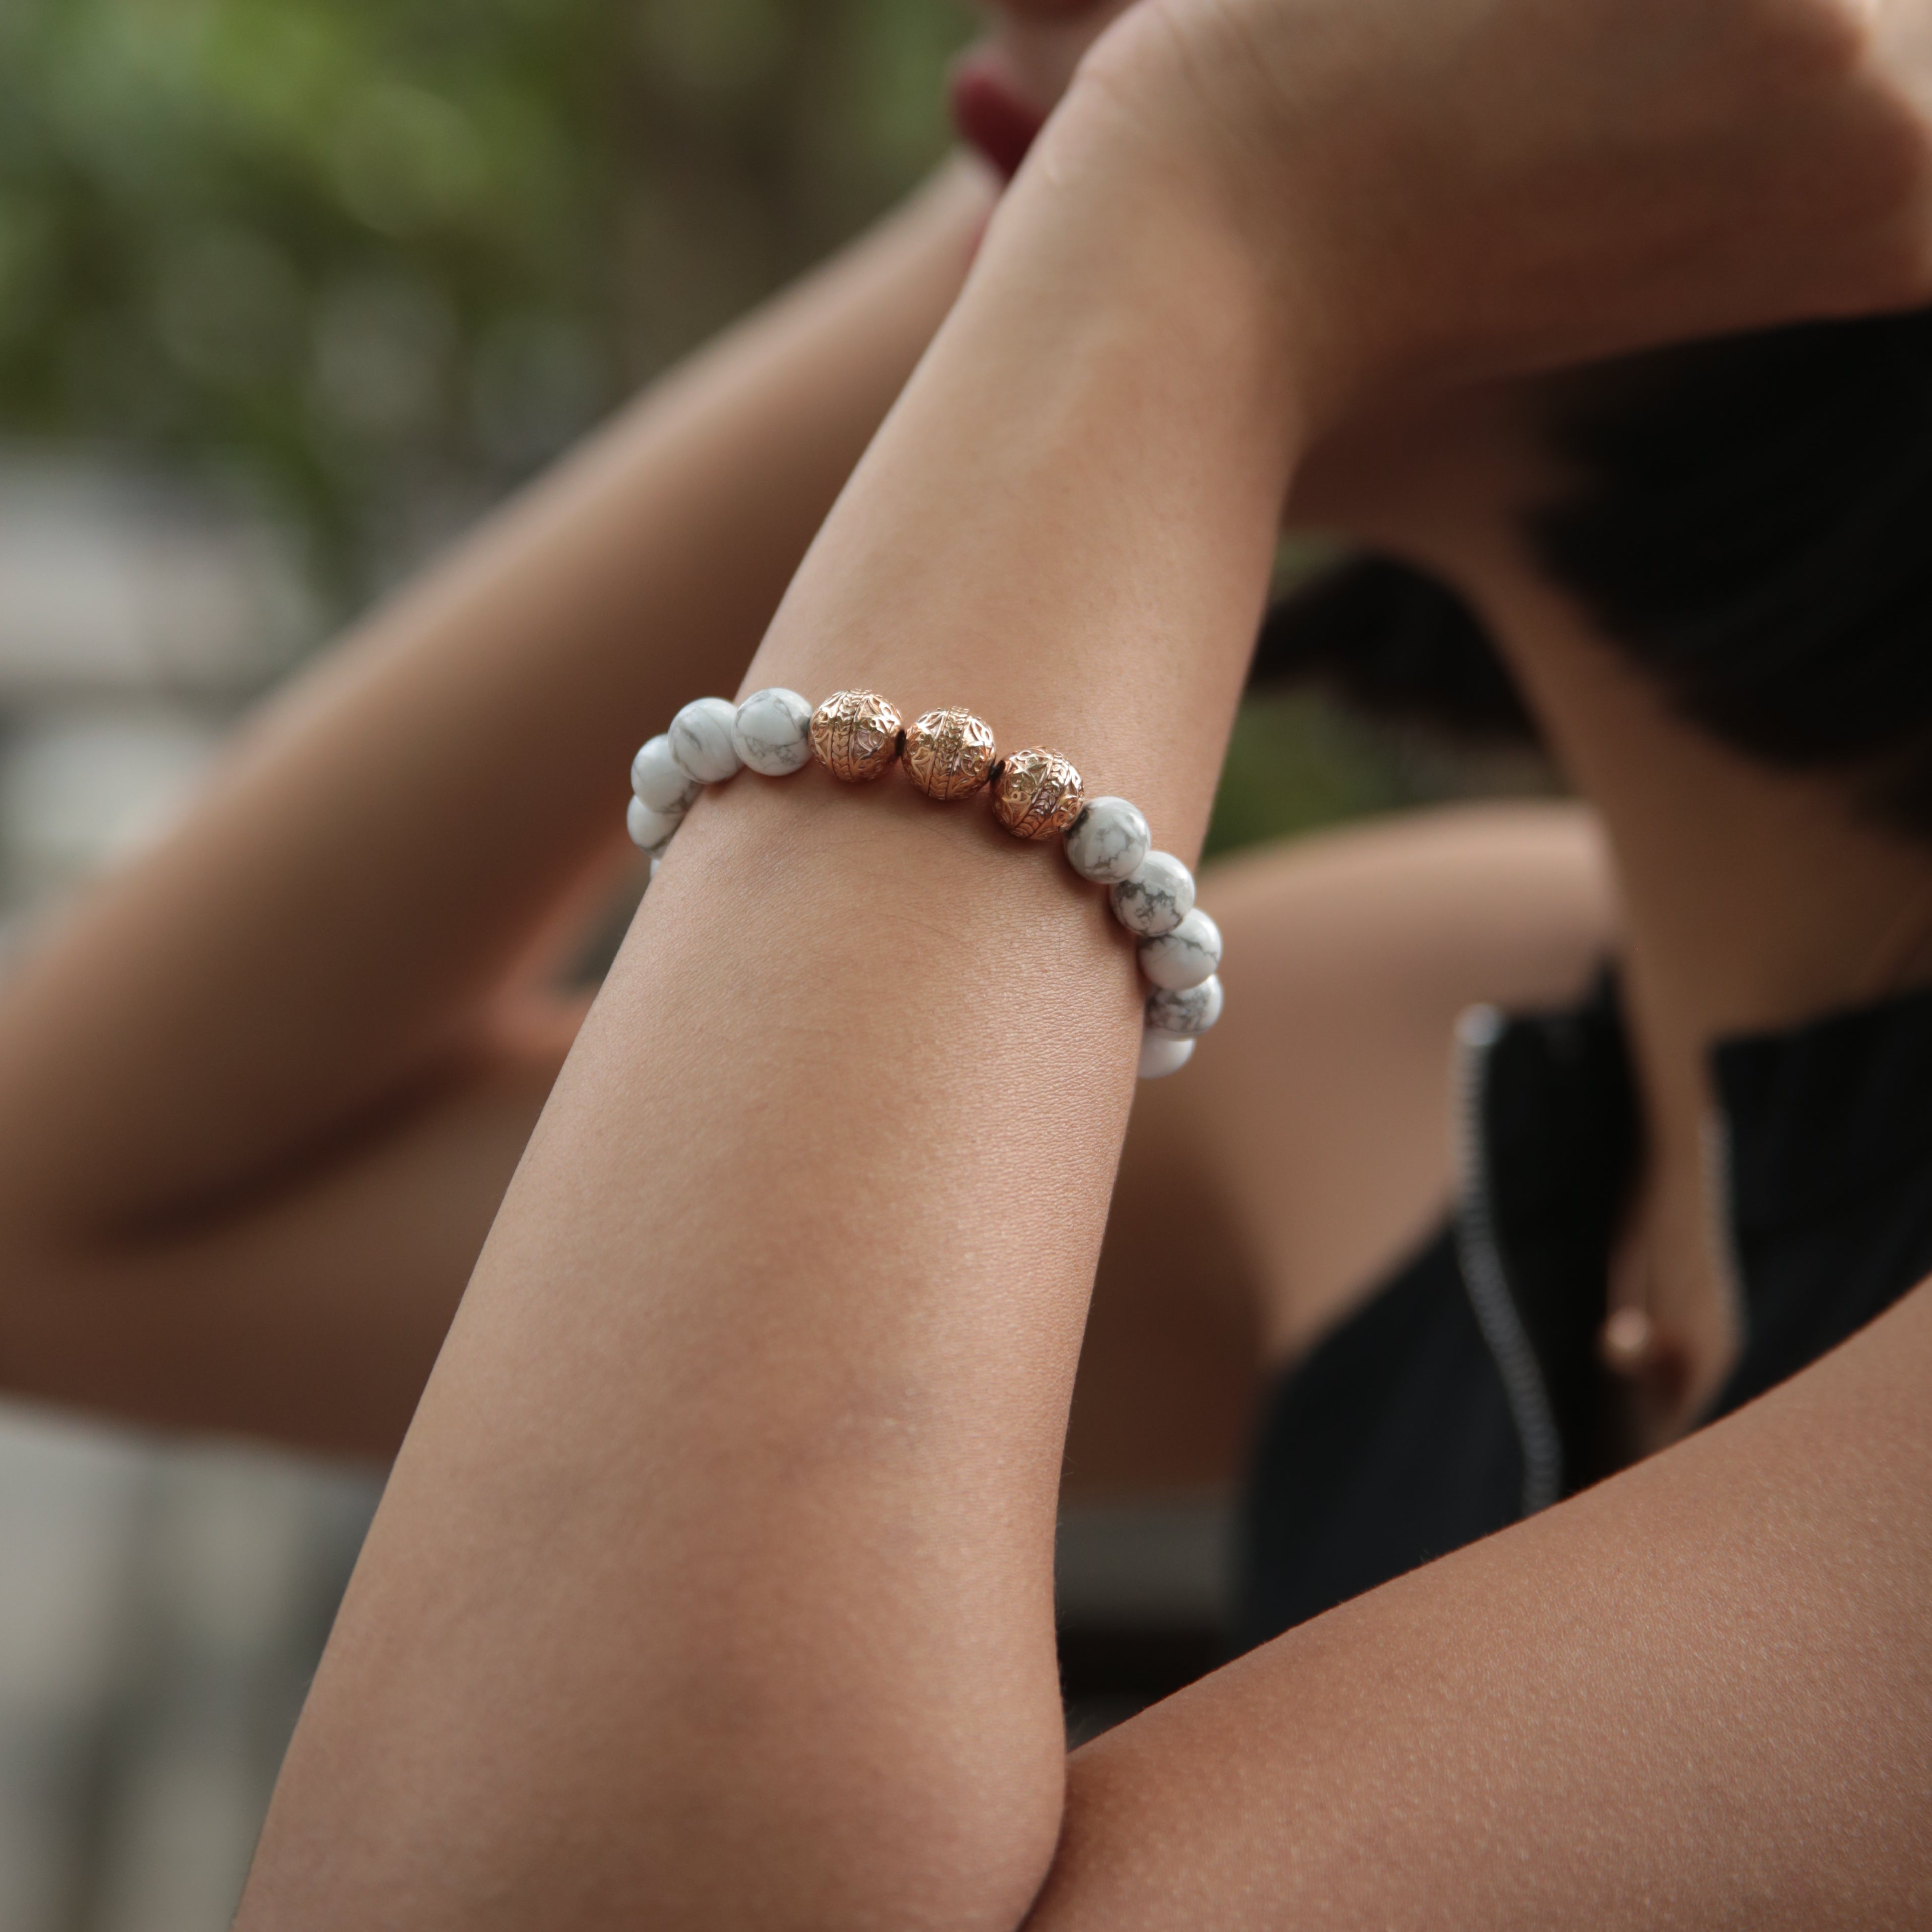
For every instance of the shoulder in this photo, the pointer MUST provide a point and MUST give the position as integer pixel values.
(1317, 1115)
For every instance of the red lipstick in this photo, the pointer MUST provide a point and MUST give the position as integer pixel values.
(992, 114)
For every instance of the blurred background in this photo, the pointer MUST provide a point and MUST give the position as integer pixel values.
(290, 290)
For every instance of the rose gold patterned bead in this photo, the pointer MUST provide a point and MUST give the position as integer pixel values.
(855, 735)
(948, 754)
(1036, 793)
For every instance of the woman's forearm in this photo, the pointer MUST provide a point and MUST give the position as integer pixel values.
(377, 853)
(257, 1078)
(713, 1586)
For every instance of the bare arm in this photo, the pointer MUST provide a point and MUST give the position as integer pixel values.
(803, 1243)
(712, 1586)
(260, 1096)
(1698, 1696)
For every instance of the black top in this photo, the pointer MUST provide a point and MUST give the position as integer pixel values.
(1466, 1393)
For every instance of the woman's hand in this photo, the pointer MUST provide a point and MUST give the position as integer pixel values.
(1486, 185)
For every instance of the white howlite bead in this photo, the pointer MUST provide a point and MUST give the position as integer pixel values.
(1162, 1053)
(1184, 957)
(660, 780)
(1107, 842)
(701, 740)
(1156, 896)
(772, 732)
(650, 829)
(1186, 1014)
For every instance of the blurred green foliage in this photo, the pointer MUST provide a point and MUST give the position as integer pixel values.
(1299, 761)
(382, 253)
(385, 257)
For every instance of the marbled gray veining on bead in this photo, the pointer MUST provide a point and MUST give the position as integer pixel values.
(1184, 957)
(650, 829)
(1107, 842)
(1155, 897)
(772, 732)
(1185, 1014)
(701, 740)
(660, 780)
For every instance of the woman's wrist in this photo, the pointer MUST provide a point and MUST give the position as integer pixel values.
(1067, 524)
(1120, 214)
(952, 756)
(1228, 239)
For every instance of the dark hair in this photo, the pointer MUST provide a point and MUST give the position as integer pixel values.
(1752, 522)
(1394, 642)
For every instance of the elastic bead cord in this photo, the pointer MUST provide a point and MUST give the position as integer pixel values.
(858, 736)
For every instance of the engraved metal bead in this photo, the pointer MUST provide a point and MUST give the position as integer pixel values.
(948, 754)
(1036, 793)
(855, 735)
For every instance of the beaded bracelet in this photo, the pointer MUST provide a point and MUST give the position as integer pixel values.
(857, 737)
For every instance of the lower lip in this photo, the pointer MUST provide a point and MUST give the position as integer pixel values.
(991, 114)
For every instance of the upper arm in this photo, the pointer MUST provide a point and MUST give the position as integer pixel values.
(1308, 1146)
(1699, 1694)
(309, 1306)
